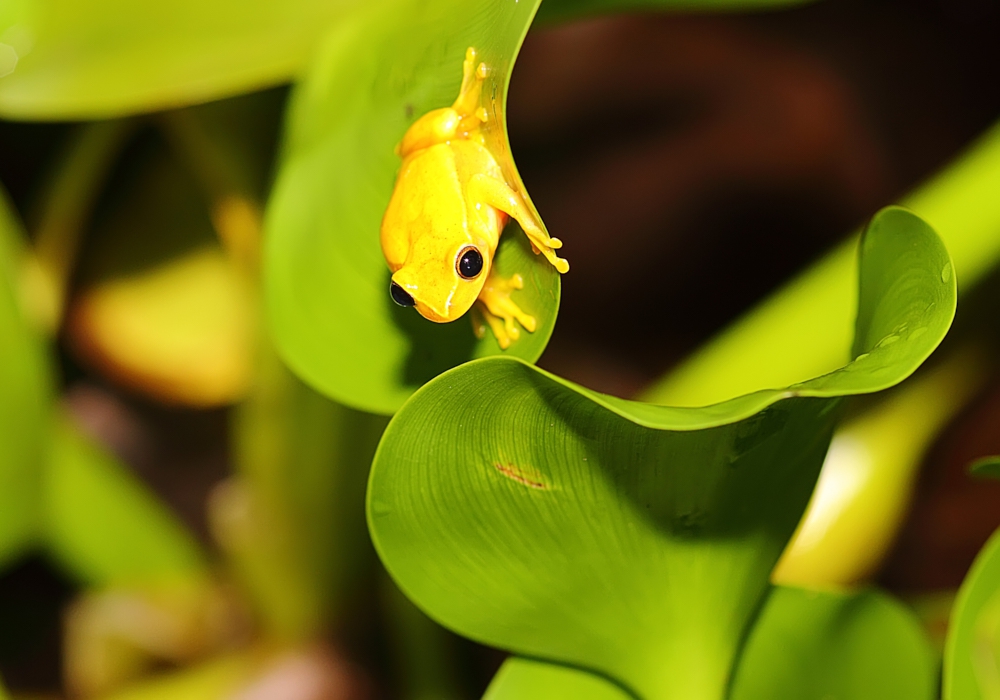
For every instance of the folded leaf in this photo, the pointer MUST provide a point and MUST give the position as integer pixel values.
(635, 540)
(91, 60)
(25, 397)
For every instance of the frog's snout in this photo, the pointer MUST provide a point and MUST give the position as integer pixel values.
(400, 295)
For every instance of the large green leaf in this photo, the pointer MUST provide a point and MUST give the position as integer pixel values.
(72, 60)
(103, 525)
(972, 652)
(807, 645)
(25, 396)
(327, 284)
(636, 540)
(810, 645)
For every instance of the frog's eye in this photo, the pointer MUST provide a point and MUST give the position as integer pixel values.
(470, 263)
(400, 296)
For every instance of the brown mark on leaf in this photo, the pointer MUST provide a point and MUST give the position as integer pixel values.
(528, 477)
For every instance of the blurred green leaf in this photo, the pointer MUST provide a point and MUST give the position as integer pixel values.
(162, 308)
(986, 467)
(326, 282)
(293, 518)
(972, 650)
(529, 679)
(113, 57)
(812, 645)
(804, 329)
(865, 487)
(25, 397)
(103, 525)
(529, 513)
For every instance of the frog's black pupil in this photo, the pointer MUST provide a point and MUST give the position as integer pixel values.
(400, 296)
(471, 264)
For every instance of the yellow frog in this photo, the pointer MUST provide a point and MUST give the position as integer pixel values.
(441, 229)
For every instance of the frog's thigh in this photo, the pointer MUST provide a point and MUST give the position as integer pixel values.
(496, 193)
(500, 311)
(434, 127)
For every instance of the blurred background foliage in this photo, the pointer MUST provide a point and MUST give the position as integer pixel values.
(180, 516)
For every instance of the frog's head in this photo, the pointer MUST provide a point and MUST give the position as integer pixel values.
(442, 286)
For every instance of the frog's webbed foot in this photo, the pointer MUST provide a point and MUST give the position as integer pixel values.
(495, 308)
(500, 196)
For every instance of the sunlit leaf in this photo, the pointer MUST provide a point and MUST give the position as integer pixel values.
(162, 308)
(972, 651)
(327, 284)
(850, 646)
(867, 480)
(105, 58)
(25, 395)
(528, 679)
(636, 540)
(103, 525)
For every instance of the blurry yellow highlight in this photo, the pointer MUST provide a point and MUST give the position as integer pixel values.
(867, 480)
(182, 332)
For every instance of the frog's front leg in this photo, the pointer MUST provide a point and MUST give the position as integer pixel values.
(497, 194)
(495, 308)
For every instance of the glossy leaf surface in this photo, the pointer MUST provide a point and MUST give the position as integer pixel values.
(25, 394)
(73, 60)
(327, 284)
(531, 514)
(104, 526)
(972, 651)
(851, 646)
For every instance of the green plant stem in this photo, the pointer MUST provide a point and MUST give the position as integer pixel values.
(65, 205)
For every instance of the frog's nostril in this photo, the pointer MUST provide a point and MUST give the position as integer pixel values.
(400, 296)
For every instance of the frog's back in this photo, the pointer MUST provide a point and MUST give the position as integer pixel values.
(427, 204)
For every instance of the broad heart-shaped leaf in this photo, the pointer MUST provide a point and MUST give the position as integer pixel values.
(972, 651)
(72, 60)
(635, 540)
(25, 396)
(326, 282)
(807, 645)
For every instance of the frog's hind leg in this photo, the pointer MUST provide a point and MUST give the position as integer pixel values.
(495, 308)
(496, 193)
(467, 103)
